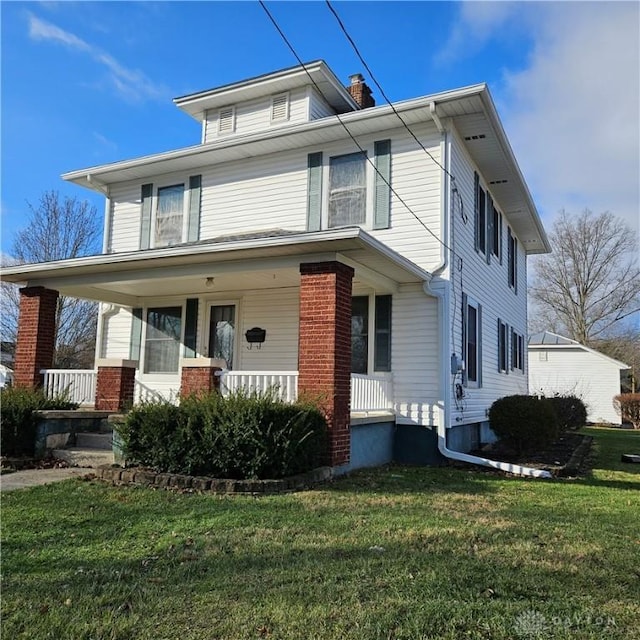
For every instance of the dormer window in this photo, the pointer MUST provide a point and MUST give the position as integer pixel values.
(280, 107)
(227, 120)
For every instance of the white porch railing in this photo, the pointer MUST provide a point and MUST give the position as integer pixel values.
(368, 393)
(371, 393)
(79, 384)
(283, 383)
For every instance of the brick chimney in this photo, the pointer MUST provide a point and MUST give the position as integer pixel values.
(360, 92)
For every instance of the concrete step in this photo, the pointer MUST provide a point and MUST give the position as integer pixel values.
(102, 441)
(84, 457)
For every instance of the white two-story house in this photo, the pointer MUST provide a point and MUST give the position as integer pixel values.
(371, 257)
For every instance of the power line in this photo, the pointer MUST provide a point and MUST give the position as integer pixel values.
(355, 141)
(395, 111)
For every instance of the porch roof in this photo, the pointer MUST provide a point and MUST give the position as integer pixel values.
(263, 260)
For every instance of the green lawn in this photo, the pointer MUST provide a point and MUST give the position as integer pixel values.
(393, 553)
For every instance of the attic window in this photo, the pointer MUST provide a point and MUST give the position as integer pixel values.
(280, 107)
(479, 136)
(227, 120)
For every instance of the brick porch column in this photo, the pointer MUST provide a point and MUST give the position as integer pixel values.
(199, 375)
(115, 384)
(324, 367)
(36, 335)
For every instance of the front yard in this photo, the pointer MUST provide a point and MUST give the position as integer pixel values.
(393, 553)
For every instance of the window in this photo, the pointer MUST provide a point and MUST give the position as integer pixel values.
(517, 351)
(512, 249)
(280, 107)
(503, 341)
(347, 190)
(162, 343)
(472, 341)
(480, 206)
(222, 332)
(227, 120)
(169, 215)
(497, 233)
(360, 331)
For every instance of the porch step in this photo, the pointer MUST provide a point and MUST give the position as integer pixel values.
(84, 457)
(102, 441)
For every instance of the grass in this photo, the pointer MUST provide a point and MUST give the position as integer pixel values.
(392, 553)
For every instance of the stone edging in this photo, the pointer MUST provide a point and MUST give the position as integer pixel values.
(576, 461)
(149, 478)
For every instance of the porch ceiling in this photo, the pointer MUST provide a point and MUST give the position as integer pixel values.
(263, 261)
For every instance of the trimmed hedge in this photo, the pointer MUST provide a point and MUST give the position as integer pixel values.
(19, 423)
(241, 436)
(627, 405)
(524, 423)
(570, 410)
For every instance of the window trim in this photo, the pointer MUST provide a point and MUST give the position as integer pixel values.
(368, 185)
(469, 302)
(145, 327)
(210, 303)
(372, 331)
(154, 212)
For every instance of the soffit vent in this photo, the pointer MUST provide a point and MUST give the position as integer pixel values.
(479, 136)
(498, 182)
(226, 120)
(280, 107)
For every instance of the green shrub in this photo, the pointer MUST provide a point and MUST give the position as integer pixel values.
(627, 405)
(524, 423)
(240, 436)
(19, 423)
(571, 412)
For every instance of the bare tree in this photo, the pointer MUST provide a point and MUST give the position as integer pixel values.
(590, 282)
(57, 229)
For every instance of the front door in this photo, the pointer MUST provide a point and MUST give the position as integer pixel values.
(222, 332)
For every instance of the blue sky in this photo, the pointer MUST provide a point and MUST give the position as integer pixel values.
(86, 83)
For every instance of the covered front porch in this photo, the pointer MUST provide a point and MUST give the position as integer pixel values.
(300, 314)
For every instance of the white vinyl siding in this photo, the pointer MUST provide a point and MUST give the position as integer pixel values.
(318, 106)
(115, 335)
(575, 371)
(416, 362)
(256, 115)
(488, 285)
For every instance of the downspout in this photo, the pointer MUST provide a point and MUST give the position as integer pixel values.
(441, 291)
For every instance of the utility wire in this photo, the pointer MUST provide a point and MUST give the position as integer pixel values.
(355, 141)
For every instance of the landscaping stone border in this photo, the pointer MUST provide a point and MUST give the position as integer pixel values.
(150, 478)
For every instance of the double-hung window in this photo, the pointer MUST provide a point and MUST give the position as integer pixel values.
(472, 341)
(162, 341)
(350, 189)
(347, 190)
(169, 215)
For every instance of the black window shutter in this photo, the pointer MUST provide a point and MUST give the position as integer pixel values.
(191, 328)
(476, 210)
(195, 190)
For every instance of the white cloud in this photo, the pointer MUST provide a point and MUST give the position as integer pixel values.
(130, 84)
(572, 112)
